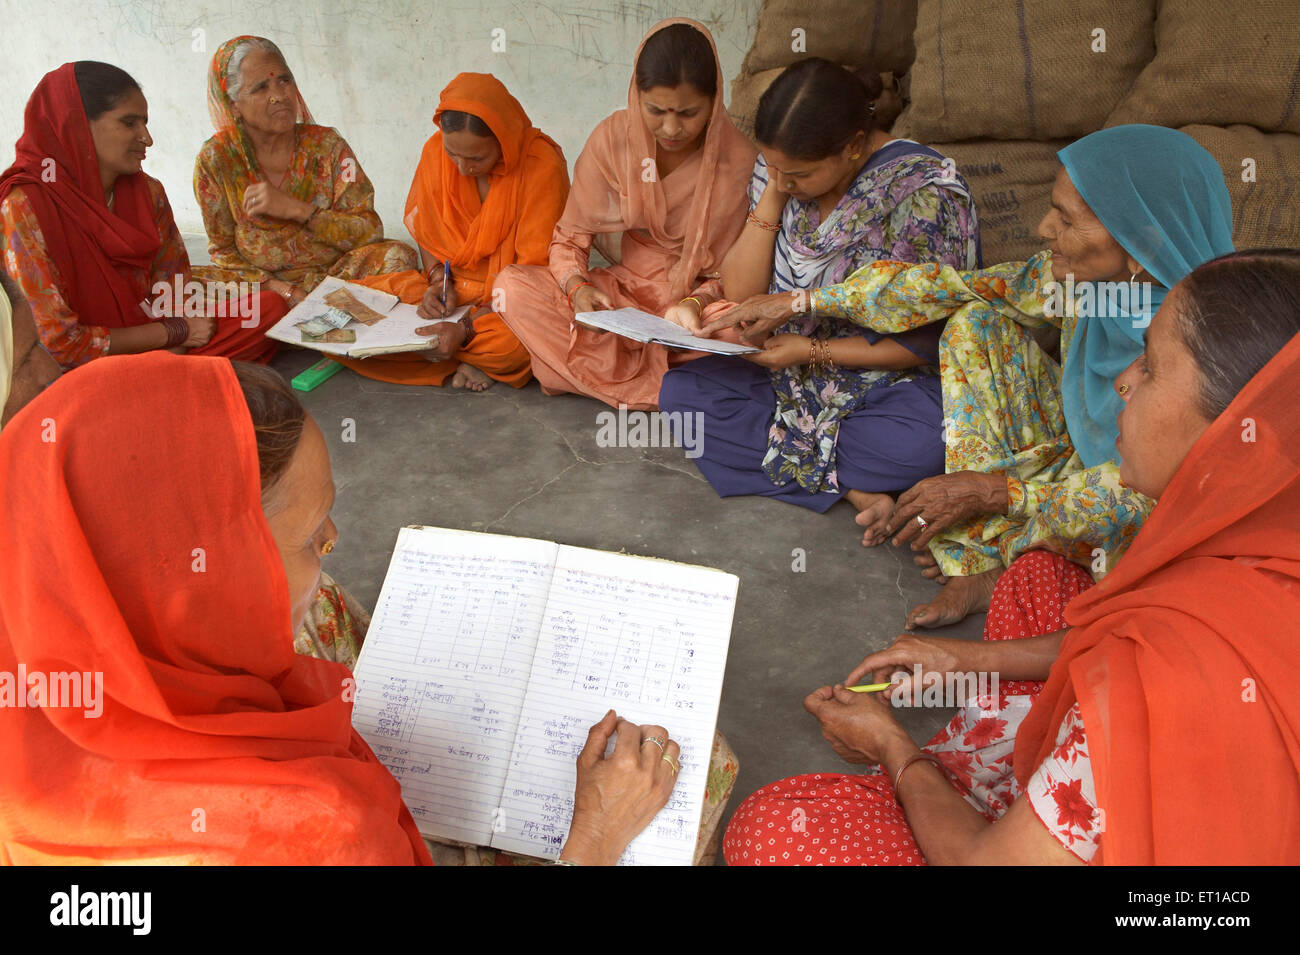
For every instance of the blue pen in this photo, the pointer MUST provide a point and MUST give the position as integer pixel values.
(446, 274)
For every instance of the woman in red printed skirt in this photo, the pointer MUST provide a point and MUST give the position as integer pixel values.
(1165, 732)
(840, 819)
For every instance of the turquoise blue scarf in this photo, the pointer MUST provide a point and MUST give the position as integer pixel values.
(1162, 197)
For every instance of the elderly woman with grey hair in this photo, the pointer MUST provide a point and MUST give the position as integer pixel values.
(285, 202)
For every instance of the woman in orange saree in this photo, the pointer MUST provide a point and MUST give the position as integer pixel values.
(154, 708)
(200, 736)
(486, 194)
(669, 175)
(284, 201)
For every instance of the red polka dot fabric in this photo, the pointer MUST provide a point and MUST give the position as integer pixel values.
(841, 819)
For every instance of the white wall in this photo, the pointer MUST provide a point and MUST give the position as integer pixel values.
(371, 68)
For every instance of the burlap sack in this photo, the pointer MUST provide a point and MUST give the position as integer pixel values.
(1262, 171)
(875, 32)
(1220, 64)
(1013, 69)
(1012, 185)
(746, 90)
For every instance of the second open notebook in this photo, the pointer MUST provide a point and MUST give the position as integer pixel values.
(490, 657)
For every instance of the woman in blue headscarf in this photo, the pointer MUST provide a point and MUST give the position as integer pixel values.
(1030, 443)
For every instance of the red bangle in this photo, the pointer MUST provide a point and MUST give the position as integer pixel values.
(575, 288)
(178, 330)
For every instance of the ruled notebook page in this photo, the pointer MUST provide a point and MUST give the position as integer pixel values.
(441, 677)
(645, 637)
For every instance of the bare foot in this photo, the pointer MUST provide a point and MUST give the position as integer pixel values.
(873, 514)
(467, 376)
(929, 566)
(960, 597)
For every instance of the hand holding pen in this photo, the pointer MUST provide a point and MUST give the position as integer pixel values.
(440, 298)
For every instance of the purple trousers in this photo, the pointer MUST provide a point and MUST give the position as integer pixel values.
(888, 445)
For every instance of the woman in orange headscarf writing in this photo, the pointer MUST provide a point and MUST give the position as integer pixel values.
(487, 193)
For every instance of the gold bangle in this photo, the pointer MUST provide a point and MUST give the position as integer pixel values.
(698, 303)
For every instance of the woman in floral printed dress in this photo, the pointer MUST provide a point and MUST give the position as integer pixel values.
(1030, 442)
(284, 201)
(828, 408)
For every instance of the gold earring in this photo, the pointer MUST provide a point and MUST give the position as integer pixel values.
(1123, 390)
(327, 547)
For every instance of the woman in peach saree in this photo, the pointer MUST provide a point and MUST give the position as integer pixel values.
(487, 193)
(667, 177)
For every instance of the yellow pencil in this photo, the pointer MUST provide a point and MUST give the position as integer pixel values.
(870, 688)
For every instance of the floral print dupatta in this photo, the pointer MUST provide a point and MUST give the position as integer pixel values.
(906, 204)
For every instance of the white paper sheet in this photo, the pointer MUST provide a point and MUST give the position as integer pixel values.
(490, 657)
(442, 673)
(643, 327)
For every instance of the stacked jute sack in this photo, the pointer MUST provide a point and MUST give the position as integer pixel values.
(1001, 85)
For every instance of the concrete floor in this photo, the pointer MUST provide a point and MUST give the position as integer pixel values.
(520, 463)
(517, 462)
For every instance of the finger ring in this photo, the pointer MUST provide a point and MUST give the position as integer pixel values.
(657, 740)
(921, 520)
(672, 764)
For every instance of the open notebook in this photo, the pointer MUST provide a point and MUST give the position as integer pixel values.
(643, 327)
(489, 658)
(344, 318)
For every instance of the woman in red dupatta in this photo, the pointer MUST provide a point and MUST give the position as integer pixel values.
(493, 204)
(164, 715)
(1168, 731)
(215, 742)
(89, 235)
(665, 181)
